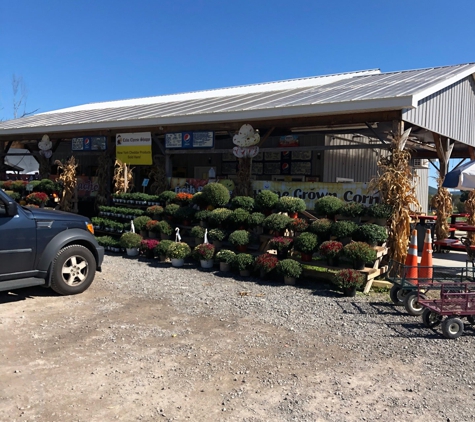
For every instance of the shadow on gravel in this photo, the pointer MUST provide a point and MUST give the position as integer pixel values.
(26, 293)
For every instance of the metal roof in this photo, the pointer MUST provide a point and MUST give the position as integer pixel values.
(332, 94)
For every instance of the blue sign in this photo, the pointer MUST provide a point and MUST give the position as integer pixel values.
(89, 143)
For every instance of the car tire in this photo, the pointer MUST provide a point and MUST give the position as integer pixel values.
(73, 271)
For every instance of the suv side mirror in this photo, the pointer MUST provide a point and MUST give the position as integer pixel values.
(12, 208)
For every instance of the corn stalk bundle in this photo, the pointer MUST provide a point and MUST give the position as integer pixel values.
(120, 184)
(158, 176)
(103, 177)
(442, 202)
(395, 184)
(69, 181)
(243, 185)
(470, 208)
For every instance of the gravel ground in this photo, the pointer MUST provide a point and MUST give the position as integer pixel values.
(150, 342)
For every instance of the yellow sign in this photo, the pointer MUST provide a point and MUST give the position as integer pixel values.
(134, 148)
(311, 191)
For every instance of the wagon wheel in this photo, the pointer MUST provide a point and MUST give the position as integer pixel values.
(452, 327)
(431, 319)
(397, 295)
(412, 305)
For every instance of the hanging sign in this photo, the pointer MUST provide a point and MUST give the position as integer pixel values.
(134, 148)
(189, 140)
(89, 143)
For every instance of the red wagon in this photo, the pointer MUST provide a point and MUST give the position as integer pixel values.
(456, 301)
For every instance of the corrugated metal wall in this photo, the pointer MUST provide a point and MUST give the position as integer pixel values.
(361, 165)
(422, 188)
(450, 112)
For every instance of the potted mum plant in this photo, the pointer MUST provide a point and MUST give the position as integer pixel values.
(215, 194)
(331, 250)
(140, 224)
(372, 234)
(343, 230)
(359, 253)
(170, 211)
(322, 228)
(328, 206)
(276, 223)
(202, 217)
(225, 258)
(154, 211)
(297, 225)
(153, 228)
(177, 252)
(265, 263)
(199, 201)
(245, 202)
(290, 269)
(266, 200)
(306, 244)
(353, 211)
(380, 213)
(243, 262)
(281, 244)
(166, 197)
(165, 230)
(131, 242)
(162, 248)
(240, 239)
(37, 198)
(183, 198)
(198, 233)
(218, 217)
(238, 218)
(147, 247)
(349, 281)
(184, 215)
(204, 252)
(255, 222)
(217, 236)
(291, 205)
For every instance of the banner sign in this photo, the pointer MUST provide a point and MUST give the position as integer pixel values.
(311, 191)
(87, 186)
(89, 143)
(188, 140)
(134, 148)
(182, 184)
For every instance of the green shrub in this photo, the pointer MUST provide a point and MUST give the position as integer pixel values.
(289, 268)
(238, 217)
(185, 214)
(165, 228)
(328, 206)
(166, 197)
(178, 250)
(380, 211)
(243, 261)
(202, 215)
(153, 226)
(353, 209)
(215, 194)
(141, 222)
(306, 243)
(343, 228)
(199, 200)
(245, 202)
(217, 234)
(370, 233)
(171, 209)
(256, 219)
(266, 200)
(276, 222)
(359, 252)
(225, 255)
(130, 240)
(162, 247)
(154, 211)
(198, 231)
(219, 216)
(47, 186)
(290, 204)
(239, 238)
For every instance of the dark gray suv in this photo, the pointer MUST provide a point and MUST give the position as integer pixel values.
(46, 247)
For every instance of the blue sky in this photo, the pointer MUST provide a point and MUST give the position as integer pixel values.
(72, 52)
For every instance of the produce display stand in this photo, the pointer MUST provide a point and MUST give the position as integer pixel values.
(456, 300)
(407, 291)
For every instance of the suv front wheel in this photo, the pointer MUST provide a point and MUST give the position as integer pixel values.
(73, 270)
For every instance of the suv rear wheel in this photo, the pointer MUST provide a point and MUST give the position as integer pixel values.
(73, 270)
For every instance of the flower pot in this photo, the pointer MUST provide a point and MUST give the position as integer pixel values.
(152, 235)
(349, 291)
(241, 248)
(358, 265)
(164, 236)
(294, 215)
(244, 273)
(307, 257)
(177, 262)
(289, 280)
(162, 258)
(224, 267)
(206, 263)
(132, 251)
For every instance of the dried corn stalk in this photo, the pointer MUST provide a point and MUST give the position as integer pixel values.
(103, 177)
(442, 202)
(158, 176)
(69, 181)
(121, 183)
(395, 184)
(243, 185)
(470, 208)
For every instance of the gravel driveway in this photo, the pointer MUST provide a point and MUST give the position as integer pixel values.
(148, 342)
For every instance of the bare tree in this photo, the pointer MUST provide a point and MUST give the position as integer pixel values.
(20, 95)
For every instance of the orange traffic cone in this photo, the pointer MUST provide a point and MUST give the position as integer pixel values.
(425, 269)
(411, 260)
